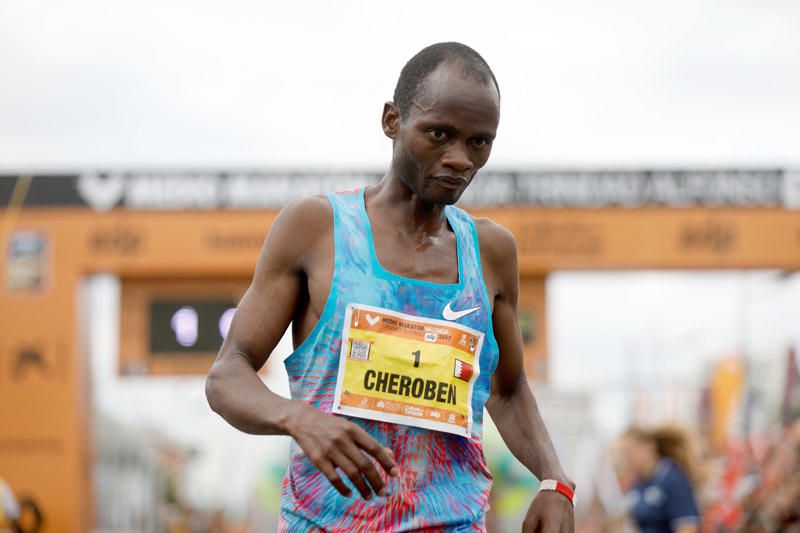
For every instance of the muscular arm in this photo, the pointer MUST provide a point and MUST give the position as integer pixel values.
(233, 387)
(511, 403)
(296, 240)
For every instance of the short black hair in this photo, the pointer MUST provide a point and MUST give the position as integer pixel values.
(426, 60)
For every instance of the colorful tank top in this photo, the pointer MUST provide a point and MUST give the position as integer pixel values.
(409, 361)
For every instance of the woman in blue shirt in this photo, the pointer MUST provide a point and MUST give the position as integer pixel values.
(662, 499)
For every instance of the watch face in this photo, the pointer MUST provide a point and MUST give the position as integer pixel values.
(189, 326)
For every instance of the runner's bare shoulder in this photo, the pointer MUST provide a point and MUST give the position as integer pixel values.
(497, 242)
(299, 230)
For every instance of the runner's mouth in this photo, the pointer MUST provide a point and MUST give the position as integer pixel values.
(450, 183)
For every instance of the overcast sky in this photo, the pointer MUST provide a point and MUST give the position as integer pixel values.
(233, 83)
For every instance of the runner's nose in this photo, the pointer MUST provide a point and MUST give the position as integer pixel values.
(457, 158)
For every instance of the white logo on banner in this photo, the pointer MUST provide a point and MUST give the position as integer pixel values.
(101, 193)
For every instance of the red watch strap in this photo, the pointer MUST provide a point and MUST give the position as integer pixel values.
(557, 486)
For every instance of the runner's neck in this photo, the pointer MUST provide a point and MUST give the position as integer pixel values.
(395, 205)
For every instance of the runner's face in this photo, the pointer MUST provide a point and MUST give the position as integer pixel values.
(447, 136)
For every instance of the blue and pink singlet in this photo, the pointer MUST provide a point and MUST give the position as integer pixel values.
(410, 362)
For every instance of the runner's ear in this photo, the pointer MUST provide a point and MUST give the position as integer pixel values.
(390, 120)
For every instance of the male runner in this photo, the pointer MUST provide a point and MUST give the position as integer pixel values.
(404, 318)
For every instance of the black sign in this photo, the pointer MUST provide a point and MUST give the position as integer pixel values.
(206, 190)
(189, 326)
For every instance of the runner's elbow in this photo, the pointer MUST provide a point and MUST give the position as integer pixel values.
(214, 389)
(506, 389)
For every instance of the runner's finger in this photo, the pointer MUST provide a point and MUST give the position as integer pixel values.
(329, 472)
(381, 453)
(352, 471)
(368, 470)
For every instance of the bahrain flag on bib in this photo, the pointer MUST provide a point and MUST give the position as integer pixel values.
(462, 370)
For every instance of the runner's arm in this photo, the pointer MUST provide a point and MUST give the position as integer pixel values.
(511, 403)
(233, 387)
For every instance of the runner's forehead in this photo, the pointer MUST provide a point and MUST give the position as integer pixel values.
(449, 91)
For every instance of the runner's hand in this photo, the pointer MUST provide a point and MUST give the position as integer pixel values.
(550, 512)
(332, 442)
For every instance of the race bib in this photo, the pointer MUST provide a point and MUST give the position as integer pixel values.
(407, 369)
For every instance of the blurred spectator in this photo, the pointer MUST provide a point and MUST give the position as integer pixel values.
(662, 497)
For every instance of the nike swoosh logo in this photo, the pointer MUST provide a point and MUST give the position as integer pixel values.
(449, 314)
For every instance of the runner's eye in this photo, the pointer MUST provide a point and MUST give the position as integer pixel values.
(437, 134)
(480, 142)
